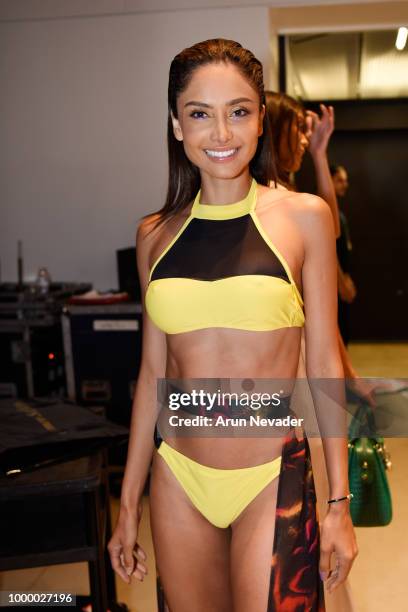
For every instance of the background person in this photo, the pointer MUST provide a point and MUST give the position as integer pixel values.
(347, 289)
(296, 130)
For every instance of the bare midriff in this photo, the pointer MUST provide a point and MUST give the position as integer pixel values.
(220, 353)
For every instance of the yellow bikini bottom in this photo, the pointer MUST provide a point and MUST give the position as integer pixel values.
(220, 495)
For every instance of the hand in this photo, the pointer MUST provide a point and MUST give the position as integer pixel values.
(337, 536)
(319, 129)
(366, 388)
(125, 554)
(347, 289)
(363, 389)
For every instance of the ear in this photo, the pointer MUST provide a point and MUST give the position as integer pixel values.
(178, 134)
(261, 119)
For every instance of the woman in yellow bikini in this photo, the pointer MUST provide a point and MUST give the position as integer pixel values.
(231, 271)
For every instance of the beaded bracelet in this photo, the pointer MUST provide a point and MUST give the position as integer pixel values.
(349, 496)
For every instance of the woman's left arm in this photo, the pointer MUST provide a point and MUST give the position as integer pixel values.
(326, 378)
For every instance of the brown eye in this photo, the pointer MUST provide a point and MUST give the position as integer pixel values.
(240, 112)
(198, 114)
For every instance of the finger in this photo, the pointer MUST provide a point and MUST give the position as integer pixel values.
(139, 575)
(324, 564)
(327, 118)
(368, 395)
(333, 573)
(139, 552)
(324, 110)
(314, 116)
(142, 567)
(309, 125)
(140, 571)
(370, 399)
(338, 575)
(139, 563)
(342, 569)
(118, 567)
(331, 116)
(128, 560)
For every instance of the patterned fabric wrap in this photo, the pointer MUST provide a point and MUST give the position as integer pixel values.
(295, 582)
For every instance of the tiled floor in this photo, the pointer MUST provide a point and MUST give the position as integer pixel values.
(378, 578)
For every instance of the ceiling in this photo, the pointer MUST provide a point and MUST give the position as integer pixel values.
(346, 65)
(46, 9)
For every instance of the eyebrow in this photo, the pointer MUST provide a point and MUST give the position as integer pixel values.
(230, 103)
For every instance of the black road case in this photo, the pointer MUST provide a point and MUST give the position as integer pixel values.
(102, 347)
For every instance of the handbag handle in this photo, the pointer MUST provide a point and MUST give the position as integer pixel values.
(363, 423)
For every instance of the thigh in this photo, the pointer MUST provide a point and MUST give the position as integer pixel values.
(251, 551)
(192, 556)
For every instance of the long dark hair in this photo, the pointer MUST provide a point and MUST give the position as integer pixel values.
(184, 177)
(283, 112)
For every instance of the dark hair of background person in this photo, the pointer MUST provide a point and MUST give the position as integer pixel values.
(335, 168)
(184, 177)
(283, 112)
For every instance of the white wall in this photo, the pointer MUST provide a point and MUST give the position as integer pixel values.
(82, 131)
(36, 9)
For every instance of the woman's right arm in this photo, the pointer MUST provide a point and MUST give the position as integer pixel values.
(143, 421)
(319, 133)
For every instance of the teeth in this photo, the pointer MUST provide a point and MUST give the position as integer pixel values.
(220, 153)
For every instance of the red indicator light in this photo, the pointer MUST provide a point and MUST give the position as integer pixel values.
(51, 356)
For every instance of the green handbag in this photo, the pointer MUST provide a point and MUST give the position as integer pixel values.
(368, 460)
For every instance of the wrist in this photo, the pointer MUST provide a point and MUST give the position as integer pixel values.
(339, 508)
(339, 498)
(319, 155)
(340, 503)
(129, 503)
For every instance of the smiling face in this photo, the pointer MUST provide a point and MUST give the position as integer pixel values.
(219, 120)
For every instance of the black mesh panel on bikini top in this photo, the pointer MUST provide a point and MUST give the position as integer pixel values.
(211, 250)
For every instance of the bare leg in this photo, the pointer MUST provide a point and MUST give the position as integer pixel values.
(251, 551)
(192, 555)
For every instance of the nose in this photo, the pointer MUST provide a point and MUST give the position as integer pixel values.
(304, 141)
(221, 131)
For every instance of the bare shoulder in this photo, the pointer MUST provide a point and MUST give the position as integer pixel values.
(152, 234)
(310, 207)
(149, 231)
(314, 215)
(146, 227)
(146, 237)
(306, 209)
(314, 219)
(304, 204)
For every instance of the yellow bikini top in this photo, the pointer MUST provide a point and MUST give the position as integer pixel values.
(222, 270)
